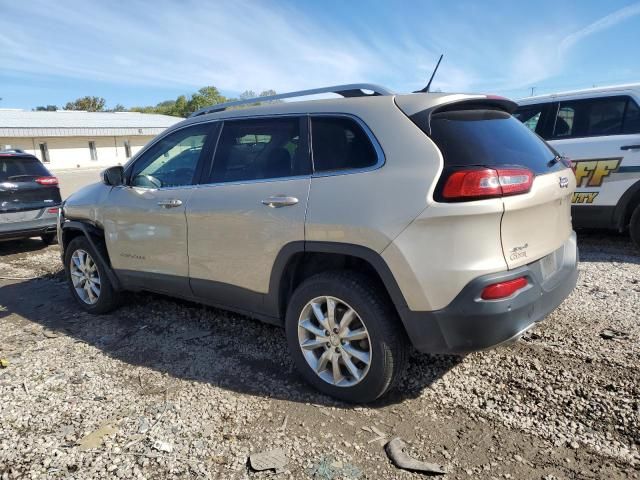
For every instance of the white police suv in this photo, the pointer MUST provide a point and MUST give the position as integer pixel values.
(599, 130)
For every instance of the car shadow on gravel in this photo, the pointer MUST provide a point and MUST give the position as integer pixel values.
(27, 245)
(191, 342)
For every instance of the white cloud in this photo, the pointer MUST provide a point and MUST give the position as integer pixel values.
(598, 26)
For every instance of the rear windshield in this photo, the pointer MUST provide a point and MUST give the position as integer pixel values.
(21, 168)
(489, 138)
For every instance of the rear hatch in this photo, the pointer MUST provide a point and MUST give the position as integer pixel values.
(26, 184)
(488, 153)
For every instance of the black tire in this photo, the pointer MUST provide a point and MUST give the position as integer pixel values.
(48, 238)
(108, 298)
(634, 227)
(387, 338)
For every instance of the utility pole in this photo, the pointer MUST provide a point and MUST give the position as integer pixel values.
(533, 89)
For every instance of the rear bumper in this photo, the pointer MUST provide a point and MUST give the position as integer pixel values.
(469, 323)
(43, 223)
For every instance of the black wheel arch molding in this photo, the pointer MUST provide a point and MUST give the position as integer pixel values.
(95, 236)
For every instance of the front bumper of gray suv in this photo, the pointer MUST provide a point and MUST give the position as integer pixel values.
(469, 323)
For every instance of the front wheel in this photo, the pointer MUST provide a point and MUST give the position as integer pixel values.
(345, 337)
(87, 278)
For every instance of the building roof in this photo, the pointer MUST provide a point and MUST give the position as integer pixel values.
(21, 123)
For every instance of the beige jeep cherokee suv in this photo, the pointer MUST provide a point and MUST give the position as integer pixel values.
(362, 224)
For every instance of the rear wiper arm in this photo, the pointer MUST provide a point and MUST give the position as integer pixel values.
(19, 176)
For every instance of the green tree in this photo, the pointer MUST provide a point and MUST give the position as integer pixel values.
(48, 108)
(118, 108)
(204, 97)
(90, 104)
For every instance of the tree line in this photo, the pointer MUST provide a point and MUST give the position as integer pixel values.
(182, 106)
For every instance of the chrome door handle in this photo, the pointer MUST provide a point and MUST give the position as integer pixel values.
(174, 202)
(279, 201)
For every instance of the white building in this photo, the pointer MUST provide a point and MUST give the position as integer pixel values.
(74, 139)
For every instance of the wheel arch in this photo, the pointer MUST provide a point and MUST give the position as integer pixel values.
(626, 205)
(300, 260)
(95, 236)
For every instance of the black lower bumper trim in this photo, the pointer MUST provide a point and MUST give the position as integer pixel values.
(469, 323)
(32, 232)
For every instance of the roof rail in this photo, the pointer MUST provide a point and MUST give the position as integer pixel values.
(350, 90)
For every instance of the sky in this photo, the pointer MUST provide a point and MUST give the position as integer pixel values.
(142, 52)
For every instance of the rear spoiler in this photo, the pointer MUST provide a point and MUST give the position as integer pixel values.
(489, 102)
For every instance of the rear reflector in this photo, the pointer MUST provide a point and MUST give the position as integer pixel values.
(53, 210)
(47, 180)
(504, 289)
(479, 183)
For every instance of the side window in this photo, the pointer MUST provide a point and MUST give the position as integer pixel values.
(531, 116)
(593, 117)
(564, 122)
(631, 118)
(260, 149)
(339, 143)
(172, 161)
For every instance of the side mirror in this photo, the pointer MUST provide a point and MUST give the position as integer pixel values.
(113, 176)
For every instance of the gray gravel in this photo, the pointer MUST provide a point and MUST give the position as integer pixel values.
(168, 389)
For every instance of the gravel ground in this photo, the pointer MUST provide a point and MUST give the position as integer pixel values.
(168, 389)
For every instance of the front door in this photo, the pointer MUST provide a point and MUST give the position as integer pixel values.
(251, 204)
(144, 221)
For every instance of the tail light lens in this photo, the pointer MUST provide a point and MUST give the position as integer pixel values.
(479, 183)
(53, 210)
(47, 180)
(504, 289)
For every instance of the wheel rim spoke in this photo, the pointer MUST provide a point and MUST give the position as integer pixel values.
(346, 320)
(358, 334)
(353, 370)
(315, 343)
(335, 368)
(331, 313)
(355, 353)
(323, 360)
(319, 314)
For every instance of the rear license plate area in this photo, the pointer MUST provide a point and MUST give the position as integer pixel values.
(548, 265)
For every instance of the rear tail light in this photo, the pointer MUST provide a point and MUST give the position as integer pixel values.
(53, 210)
(479, 183)
(504, 289)
(47, 180)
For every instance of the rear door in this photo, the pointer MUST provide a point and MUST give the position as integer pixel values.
(26, 187)
(534, 223)
(250, 205)
(602, 137)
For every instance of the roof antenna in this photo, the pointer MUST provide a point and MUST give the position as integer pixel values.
(426, 89)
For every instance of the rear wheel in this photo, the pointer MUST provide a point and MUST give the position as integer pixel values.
(48, 238)
(88, 279)
(634, 227)
(345, 337)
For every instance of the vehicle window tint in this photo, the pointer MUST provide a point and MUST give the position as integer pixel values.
(631, 118)
(529, 115)
(259, 149)
(605, 117)
(13, 168)
(488, 138)
(583, 118)
(172, 161)
(564, 122)
(340, 143)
